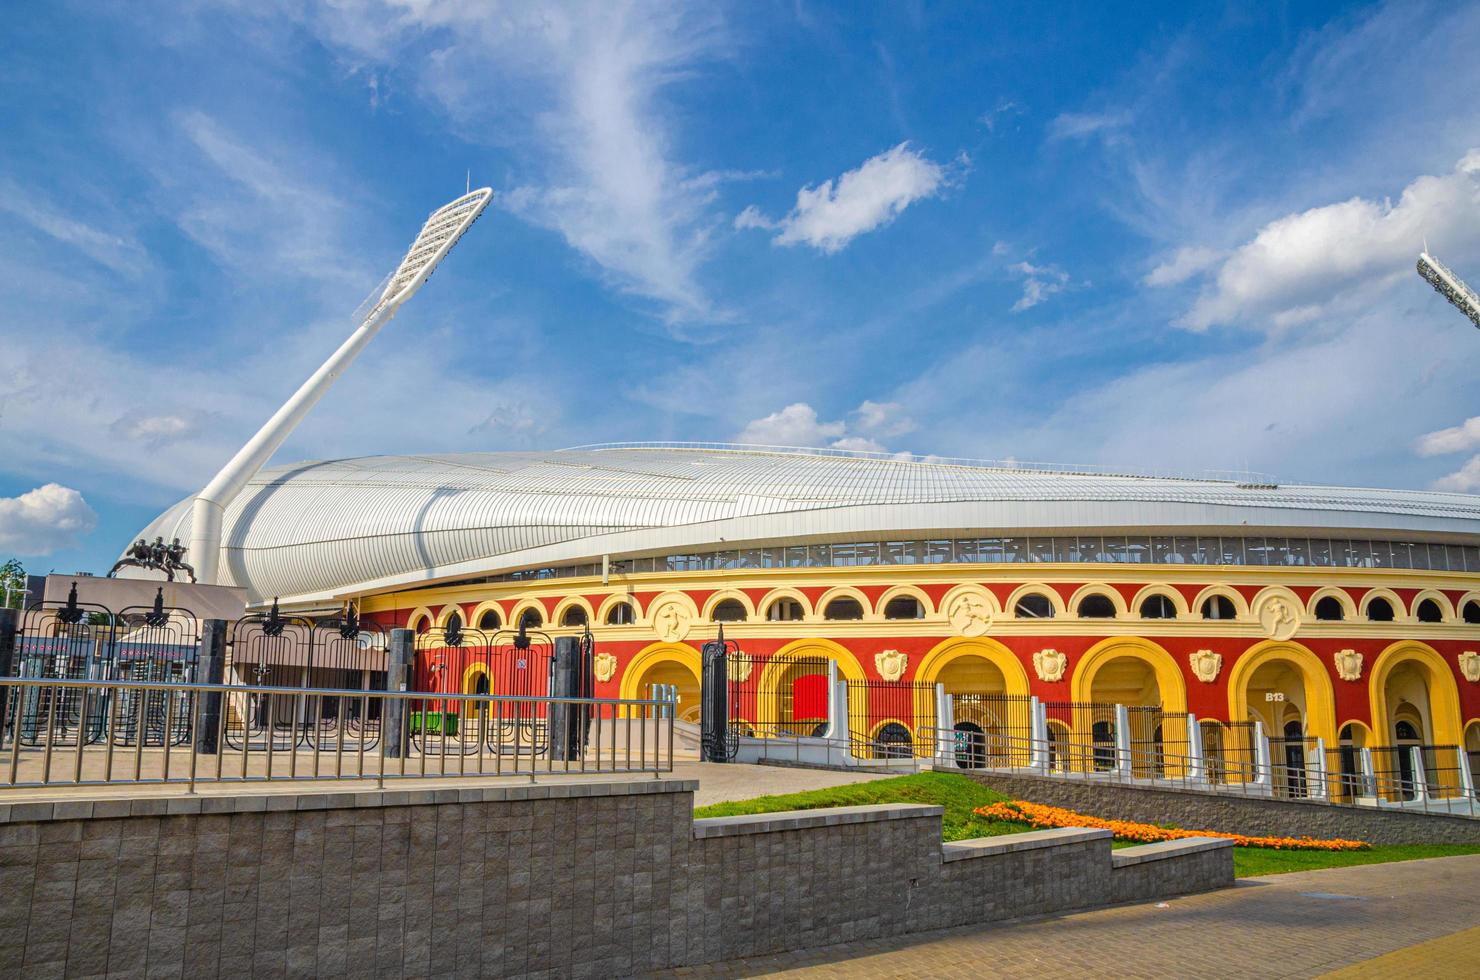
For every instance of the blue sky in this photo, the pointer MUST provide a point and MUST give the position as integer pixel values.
(1176, 237)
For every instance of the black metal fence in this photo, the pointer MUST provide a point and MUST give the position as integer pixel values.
(990, 729)
(465, 661)
(891, 719)
(72, 640)
(784, 696)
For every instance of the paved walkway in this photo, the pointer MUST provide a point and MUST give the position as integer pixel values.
(1410, 919)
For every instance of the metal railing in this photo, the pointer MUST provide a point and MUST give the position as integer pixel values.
(221, 734)
(1338, 781)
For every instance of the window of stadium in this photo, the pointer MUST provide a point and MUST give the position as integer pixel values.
(1329, 609)
(1379, 610)
(1430, 611)
(1472, 611)
(1219, 607)
(620, 614)
(489, 620)
(1034, 605)
(1158, 607)
(843, 607)
(729, 611)
(531, 619)
(904, 607)
(573, 616)
(784, 610)
(1096, 606)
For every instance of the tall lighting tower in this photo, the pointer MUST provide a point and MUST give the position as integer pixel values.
(441, 231)
(1450, 286)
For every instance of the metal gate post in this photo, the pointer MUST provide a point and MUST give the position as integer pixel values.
(9, 624)
(714, 704)
(1122, 740)
(564, 683)
(1420, 778)
(1369, 775)
(1038, 755)
(1466, 778)
(393, 714)
(212, 670)
(1197, 767)
(945, 727)
(1317, 778)
(837, 704)
(1263, 770)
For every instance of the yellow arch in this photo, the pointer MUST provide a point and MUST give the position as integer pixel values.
(1169, 681)
(841, 592)
(768, 708)
(1400, 611)
(560, 609)
(913, 591)
(720, 595)
(473, 708)
(934, 663)
(652, 655)
(606, 607)
(1179, 604)
(763, 609)
(1446, 608)
(1098, 588)
(476, 616)
(1320, 696)
(1240, 605)
(1343, 598)
(1056, 601)
(1444, 708)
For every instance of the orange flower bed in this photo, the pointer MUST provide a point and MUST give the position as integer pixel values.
(1041, 815)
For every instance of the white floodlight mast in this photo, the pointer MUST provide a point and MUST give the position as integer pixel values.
(441, 231)
(1450, 286)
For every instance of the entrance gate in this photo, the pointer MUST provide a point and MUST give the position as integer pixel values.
(502, 663)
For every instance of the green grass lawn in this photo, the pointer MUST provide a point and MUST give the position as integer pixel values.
(960, 796)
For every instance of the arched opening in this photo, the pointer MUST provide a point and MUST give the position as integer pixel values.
(421, 624)
(784, 610)
(1274, 683)
(1472, 754)
(728, 611)
(799, 698)
(1058, 746)
(574, 615)
(1429, 611)
(531, 619)
(904, 607)
(843, 608)
(893, 741)
(1034, 605)
(981, 710)
(475, 681)
(1219, 607)
(1351, 783)
(1096, 606)
(971, 745)
(620, 614)
(1328, 609)
(454, 624)
(670, 677)
(1158, 607)
(1215, 758)
(489, 620)
(1129, 680)
(1471, 612)
(1292, 744)
(1406, 735)
(1379, 610)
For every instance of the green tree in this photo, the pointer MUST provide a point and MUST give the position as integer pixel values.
(12, 584)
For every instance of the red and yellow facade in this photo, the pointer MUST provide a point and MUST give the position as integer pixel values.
(1283, 658)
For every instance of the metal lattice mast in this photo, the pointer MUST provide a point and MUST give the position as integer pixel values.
(441, 231)
(1450, 286)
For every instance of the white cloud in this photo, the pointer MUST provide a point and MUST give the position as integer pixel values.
(830, 215)
(575, 93)
(1006, 109)
(116, 252)
(1186, 263)
(1039, 283)
(1077, 125)
(43, 520)
(794, 425)
(1464, 480)
(153, 430)
(798, 425)
(1456, 439)
(1296, 266)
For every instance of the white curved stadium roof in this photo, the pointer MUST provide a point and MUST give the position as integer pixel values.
(317, 531)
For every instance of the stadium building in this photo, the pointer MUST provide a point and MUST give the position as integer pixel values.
(1348, 615)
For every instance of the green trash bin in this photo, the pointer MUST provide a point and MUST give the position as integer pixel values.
(434, 723)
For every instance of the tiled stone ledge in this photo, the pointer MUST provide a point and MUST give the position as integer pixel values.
(235, 800)
(769, 823)
(980, 847)
(1162, 850)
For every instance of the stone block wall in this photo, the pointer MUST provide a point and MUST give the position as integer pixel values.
(1235, 814)
(583, 879)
